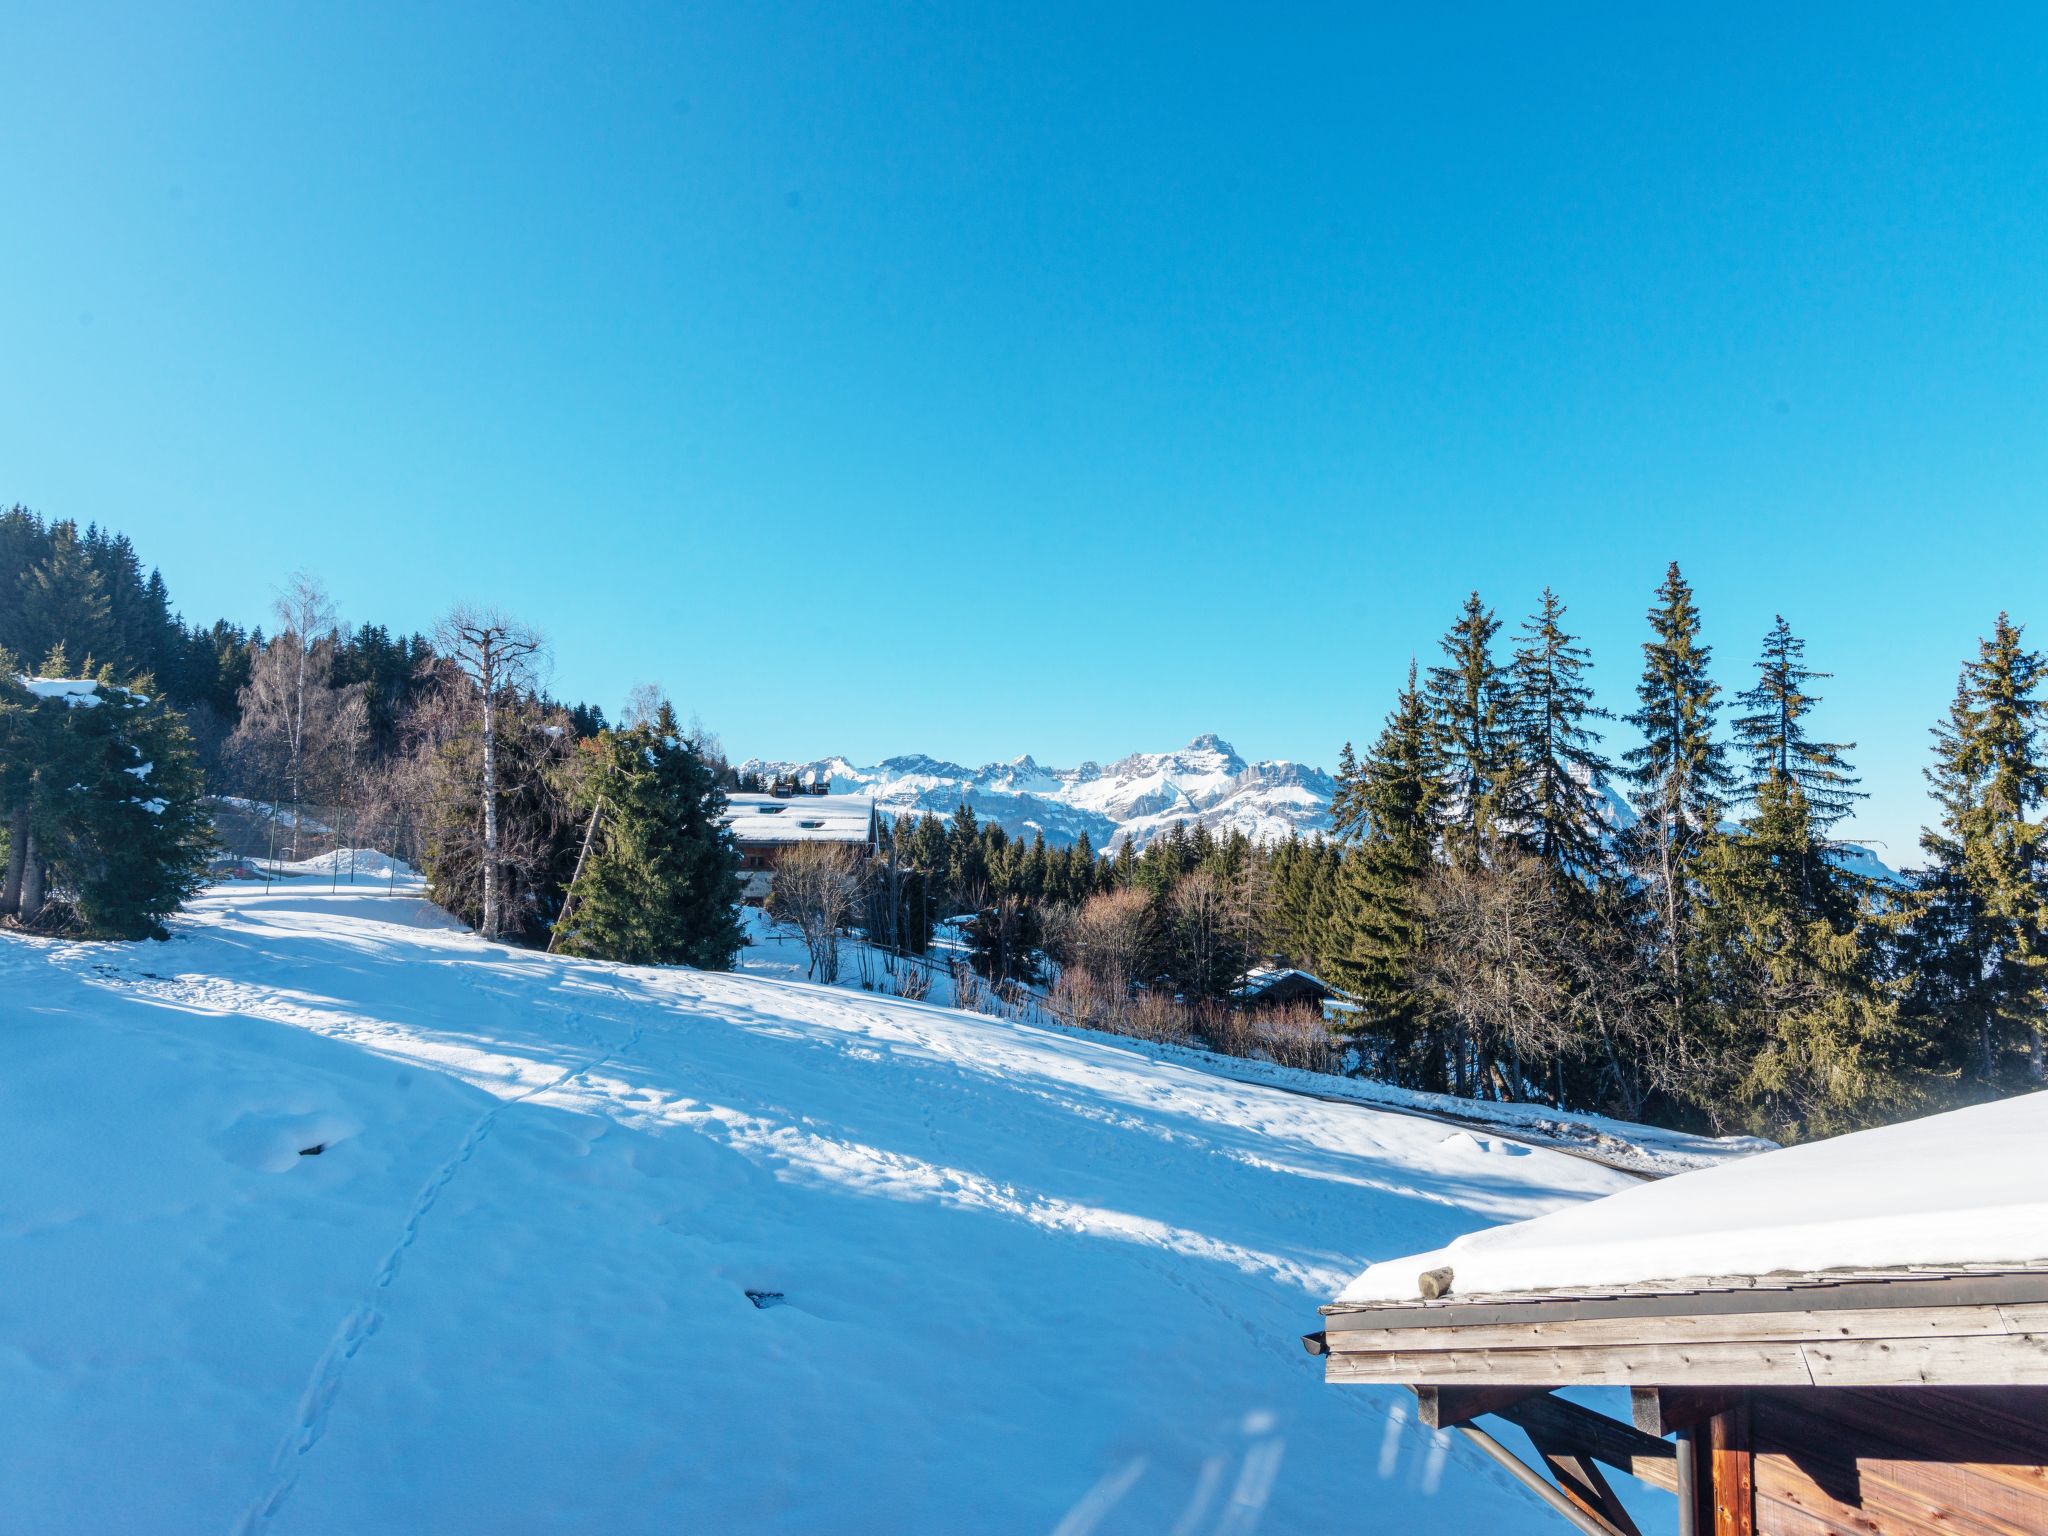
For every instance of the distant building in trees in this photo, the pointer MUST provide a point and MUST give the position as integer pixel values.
(1278, 986)
(767, 825)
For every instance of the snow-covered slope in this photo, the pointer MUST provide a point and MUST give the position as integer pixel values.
(1007, 1279)
(1137, 797)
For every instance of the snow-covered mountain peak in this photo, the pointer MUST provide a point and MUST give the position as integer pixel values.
(1136, 797)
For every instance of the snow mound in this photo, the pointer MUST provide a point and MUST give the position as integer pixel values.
(327, 1216)
(1953, 1190)
(363, 863)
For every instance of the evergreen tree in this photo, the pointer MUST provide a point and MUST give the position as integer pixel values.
(1799, 1035)
(1378, 902)
(64, 602)
(1776, 740)
(1679, 774)
(102, 799)
(1470, 705)
(1559, 812)
(662, 883)
(1981, 930)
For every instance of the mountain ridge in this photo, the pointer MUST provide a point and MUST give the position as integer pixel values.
(1136, 797)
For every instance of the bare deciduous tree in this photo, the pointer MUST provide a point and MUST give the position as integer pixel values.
(496, 652)
(816, 886)
(298, 732)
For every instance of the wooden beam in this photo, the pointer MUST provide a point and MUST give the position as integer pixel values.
(1584, 1519)
(1446, 1407)
(1662, 1411)
(1553, 1423)
(1581, 1480)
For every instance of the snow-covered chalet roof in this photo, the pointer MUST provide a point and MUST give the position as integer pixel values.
(76, 692)
(800, 818)
(1262, 979)
(1957, 1191)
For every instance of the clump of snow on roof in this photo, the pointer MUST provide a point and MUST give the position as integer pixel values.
(76, 692)
(1960, 1189)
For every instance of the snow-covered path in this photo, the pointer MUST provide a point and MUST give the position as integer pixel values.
(1028, 1282)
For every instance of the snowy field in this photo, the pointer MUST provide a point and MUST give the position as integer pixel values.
(602, 1249)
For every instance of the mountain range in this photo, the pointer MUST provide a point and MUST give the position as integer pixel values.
(1133, 799)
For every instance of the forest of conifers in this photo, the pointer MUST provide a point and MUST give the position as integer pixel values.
(1707, 960)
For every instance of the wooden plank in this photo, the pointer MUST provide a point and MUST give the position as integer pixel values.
(1703, 1297)
(1706, 1364)
(1963, 1424)
(1817, 1326)
(1831, 1449)
(1975, 1360)
(1664, 1411)
(1897, 1499)
(2001, 1360)
(1444, 1407)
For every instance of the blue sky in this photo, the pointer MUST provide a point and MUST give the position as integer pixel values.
(1069, 379)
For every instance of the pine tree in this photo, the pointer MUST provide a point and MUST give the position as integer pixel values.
(1470, 701)
(1982, 926)
(662, 883)
(1679, 773)
(1559, 811)
(1378, 902)
(1776, 740)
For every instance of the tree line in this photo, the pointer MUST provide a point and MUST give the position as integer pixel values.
(1670, 933)
(444, 749)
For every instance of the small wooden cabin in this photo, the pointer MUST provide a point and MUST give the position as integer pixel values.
(1276, 986)
(1849, 1336)
(765, 826)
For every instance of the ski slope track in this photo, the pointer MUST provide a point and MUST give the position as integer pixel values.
(611, 1249)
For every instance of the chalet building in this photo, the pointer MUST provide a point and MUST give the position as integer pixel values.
(1849, 1336)
(767, 825)
(1276, 986)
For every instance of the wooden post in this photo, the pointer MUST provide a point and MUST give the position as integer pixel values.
(1734, 1476)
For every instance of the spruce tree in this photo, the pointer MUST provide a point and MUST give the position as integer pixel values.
(1679, 774)
(1378, 915)
(1775, 738)
(1981, 928)
(1470, 703)
(64, 602)
(1560, 809)
(662, 883)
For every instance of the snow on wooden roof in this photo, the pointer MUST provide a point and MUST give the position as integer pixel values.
(1951, 1192)
(758, 818)
(76, 692)
(1263, 979)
